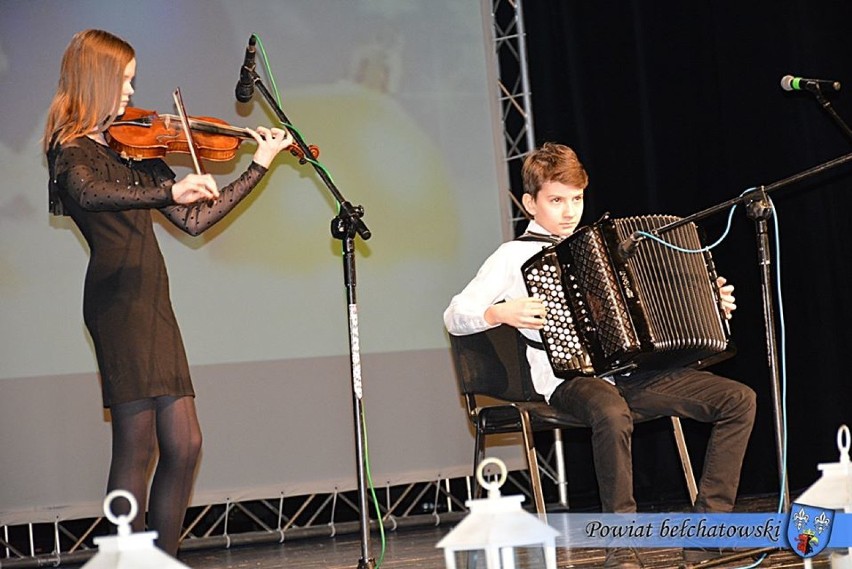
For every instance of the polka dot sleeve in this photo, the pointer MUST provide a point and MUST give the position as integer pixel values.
(200, 216)
(86, 180)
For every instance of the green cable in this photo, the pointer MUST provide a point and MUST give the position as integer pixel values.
(277, 95)
(373, 488)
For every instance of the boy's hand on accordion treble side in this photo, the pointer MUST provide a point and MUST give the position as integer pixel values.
(726, 297)
(525, 312)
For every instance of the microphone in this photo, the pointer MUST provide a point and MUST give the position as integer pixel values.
(245, 86)
(627, 247)
(790, 83)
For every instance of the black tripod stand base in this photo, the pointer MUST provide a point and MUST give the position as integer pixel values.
(368, 564)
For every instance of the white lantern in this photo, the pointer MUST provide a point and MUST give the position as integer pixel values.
(496, 525)
(834, 491)
(129, 550)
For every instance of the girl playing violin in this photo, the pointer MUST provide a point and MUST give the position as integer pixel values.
(126, 306)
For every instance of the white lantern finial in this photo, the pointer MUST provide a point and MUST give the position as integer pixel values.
(494, 486)
(122, 521)
(843, 442)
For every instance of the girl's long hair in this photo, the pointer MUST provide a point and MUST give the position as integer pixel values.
(90, 84)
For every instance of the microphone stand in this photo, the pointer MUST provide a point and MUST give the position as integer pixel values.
(345, 225)
(826, 105)
(759, 208)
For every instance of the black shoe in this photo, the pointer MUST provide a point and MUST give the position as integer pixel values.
(622, 558)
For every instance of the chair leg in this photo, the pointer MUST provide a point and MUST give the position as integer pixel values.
(561, 476)
(478, 455)
(683, 452)
(532, 461)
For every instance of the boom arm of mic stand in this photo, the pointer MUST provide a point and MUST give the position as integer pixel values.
(349, 213)
(749, 196)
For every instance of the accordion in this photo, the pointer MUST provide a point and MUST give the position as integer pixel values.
(658, 308)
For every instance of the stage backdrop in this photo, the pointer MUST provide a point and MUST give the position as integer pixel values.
(399, 100)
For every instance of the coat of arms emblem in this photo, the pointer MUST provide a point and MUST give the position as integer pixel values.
(809, 529)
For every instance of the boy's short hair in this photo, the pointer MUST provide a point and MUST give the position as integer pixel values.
(553, 162)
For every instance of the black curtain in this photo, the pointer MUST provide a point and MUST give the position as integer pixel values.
(676, 106)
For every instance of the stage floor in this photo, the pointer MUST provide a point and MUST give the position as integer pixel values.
(409, 548)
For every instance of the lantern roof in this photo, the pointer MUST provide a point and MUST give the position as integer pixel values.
(498, 521)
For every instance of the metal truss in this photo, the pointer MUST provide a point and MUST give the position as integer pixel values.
(515, 99)
(514, 96)
(273, 520)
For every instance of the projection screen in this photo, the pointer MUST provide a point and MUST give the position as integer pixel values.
(400, 99)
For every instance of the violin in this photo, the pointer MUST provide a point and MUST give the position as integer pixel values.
(141, 134)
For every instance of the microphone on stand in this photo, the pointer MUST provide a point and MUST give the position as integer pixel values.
(790, 83)
(627, 248)
(815, 86)
(245, 86)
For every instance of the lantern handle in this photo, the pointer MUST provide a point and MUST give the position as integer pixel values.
(843, 443)
(492, 487)
(122, 521)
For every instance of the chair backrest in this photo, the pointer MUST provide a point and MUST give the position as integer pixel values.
(493, 363)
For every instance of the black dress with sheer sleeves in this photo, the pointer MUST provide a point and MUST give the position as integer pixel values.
(126, 304)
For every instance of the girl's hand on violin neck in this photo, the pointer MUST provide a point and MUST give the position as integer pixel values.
(194, 188)
(270, 141)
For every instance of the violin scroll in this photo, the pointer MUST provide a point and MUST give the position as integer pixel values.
(298, 153)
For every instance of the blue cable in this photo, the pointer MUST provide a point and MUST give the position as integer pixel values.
(783, 330)
(662, 241)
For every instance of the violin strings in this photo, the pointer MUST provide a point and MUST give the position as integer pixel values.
(200, 125)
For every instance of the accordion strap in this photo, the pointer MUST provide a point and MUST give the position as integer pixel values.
(532, 343)
(533, 236)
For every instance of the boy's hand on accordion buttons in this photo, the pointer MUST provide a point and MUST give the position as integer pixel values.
(526, 312)
(726, 296)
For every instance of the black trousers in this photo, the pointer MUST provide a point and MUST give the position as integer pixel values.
(685, 393)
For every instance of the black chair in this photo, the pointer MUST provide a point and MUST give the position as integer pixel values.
(492, 364)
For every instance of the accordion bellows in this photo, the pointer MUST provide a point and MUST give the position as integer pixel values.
(659, 308)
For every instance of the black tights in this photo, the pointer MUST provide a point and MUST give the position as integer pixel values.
(139, 428)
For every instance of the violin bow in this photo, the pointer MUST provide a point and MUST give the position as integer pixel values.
(187, 131)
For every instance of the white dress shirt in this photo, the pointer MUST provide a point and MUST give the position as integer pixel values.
(499, 278)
